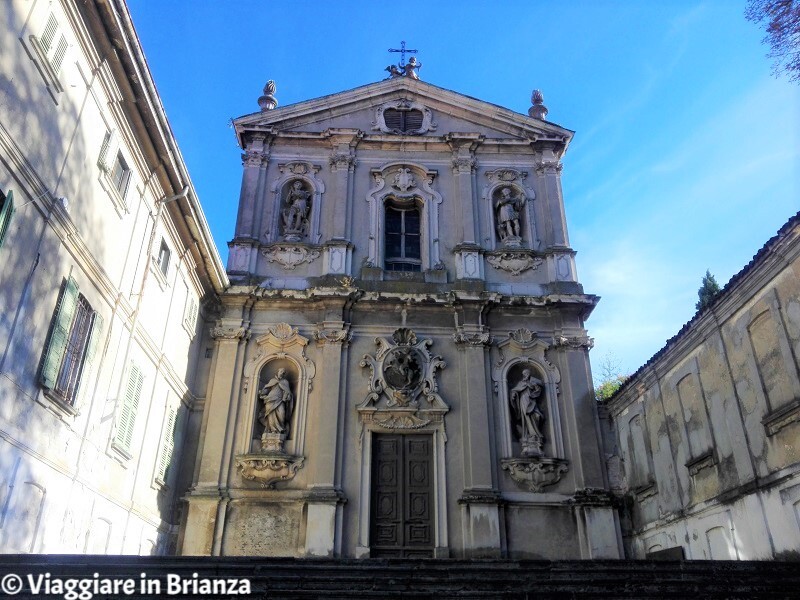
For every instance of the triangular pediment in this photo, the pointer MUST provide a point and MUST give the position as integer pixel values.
(356, 109)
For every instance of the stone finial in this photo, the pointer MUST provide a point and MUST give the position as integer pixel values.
(538, 110)
(268, 101)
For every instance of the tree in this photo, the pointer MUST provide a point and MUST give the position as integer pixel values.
(783, 33)
(707, 292)
(611, 379)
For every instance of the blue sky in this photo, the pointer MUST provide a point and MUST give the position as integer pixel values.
(686, 151)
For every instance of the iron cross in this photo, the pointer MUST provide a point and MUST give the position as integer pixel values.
(402, 52)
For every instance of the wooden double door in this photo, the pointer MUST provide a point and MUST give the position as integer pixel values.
(402, 508)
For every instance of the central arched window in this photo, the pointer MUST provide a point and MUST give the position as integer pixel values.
(402, 251)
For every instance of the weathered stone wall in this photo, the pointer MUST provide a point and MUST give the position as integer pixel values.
(708, 429)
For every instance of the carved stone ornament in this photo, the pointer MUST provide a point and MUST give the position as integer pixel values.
(472, 336)
(549, 167)
(513, 262)
(464, 164)
(579, 341)
(290, 256)
(333, 332)
(230, 333)
(254, 158)
(342, 160)
(506, 175)
(268, 101)
(535, 473)
(403, 392)
(269, 469)
(537, 110)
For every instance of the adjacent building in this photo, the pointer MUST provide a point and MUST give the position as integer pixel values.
(704, 439)
(107, 269)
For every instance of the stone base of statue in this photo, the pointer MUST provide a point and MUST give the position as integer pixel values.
(292, 236)
(268, 468)
(273, 442)
(512, 241)
(532, 445)
(535, 473)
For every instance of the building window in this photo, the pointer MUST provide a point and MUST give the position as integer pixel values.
(53, 43)
(402, 239)
(163, 258)
(123, 437)
(6, 211)
(403, 121)
(190, 315)
(74, 336)
(167, 447)
(121, 175)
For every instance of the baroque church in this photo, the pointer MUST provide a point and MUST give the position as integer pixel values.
(402, 365)
(395, 361)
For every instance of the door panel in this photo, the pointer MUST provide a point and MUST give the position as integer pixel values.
(402, 496)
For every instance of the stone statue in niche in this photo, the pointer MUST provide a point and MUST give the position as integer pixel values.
(276, 411)
(508, 205)
(295, 215)
(526, 415)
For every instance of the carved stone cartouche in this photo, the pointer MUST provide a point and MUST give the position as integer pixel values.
(534, 473)
(402, 375)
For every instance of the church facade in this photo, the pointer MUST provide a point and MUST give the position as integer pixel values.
(400, 365)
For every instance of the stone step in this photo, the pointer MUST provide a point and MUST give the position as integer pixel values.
(440, 579)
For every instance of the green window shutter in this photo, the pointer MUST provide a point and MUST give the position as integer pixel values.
(130, 404)
(95, 336)
(58, 56)
(167, 446)
(49, 34)
(6, 210)
(57, 344)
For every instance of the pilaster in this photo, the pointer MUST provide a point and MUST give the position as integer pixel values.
(205, 510)
(463, 146)
(325, 502)
(548, 169)
(342, 162)
(480, 500)
(254, 163)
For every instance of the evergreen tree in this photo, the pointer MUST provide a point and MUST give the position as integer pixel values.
(707, 291)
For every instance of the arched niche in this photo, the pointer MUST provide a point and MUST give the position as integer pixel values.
(521, 351)
(515, 180)
(281, 372)
(305, 174)
(404, 184)
(281, 347)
